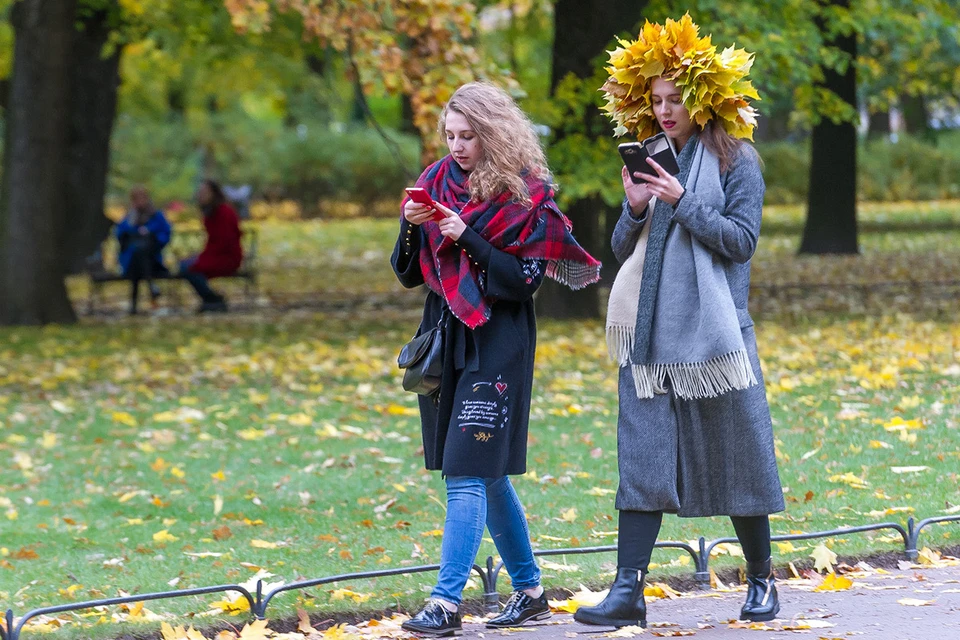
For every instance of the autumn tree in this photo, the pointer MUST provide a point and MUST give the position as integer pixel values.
(419, 49)
(94, 84)
(32, 213)
(583, 30)
(831, 225)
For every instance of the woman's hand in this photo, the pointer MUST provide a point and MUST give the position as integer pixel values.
(638, 195)
(663, 185)
(452, 226)
(415, 213)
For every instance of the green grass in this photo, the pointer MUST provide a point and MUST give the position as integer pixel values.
(113, 431)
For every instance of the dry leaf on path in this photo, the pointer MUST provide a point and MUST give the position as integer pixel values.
(256, 630)
(823, 558)
(303, 623)
(833, 582)
(582, 598)
(914, 602)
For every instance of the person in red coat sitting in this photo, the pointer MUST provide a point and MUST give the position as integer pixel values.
(222, 254)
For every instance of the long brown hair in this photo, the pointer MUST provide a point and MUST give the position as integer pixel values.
(723, 145)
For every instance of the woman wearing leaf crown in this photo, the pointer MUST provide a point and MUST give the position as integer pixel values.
(694, 434)
(495, 234)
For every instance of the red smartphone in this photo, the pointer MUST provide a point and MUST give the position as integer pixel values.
(420, 196)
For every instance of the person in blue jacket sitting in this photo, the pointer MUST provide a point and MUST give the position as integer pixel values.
(143, 233)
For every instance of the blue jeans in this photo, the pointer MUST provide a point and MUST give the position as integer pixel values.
(471, 503)
(199, 281)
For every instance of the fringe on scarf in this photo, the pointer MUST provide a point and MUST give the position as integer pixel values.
(694, 381)
(570, 273)
(620, 343)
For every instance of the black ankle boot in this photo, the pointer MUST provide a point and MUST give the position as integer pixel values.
(762, 603)
(624, 605)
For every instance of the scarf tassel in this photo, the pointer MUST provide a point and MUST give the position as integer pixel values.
(698, 380)
(620, 343)
(573, 274)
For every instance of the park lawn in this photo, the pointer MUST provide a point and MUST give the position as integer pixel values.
(123, 437)
(303, 262)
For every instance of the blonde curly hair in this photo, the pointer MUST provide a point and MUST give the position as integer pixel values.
(511, 149)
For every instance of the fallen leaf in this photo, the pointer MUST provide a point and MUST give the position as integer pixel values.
(263, 544)
(347, 593)
(222, 533)
(256, 630)
(582, 598)
(914, 602)
(303, 622)
(823, 558)
(915, 469)
(834, 583)
(164, 536)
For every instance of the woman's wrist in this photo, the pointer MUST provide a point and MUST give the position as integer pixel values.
(637, 213)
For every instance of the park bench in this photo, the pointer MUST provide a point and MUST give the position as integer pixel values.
(183, 244)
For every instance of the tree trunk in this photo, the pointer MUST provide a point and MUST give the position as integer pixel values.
(582, 31)
(879, 125)
(831, 225)
(93, 109)
(32, 288)
(916, 115)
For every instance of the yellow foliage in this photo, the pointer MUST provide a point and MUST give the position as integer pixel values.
(713, 85)
(833, 582)
(164, 536)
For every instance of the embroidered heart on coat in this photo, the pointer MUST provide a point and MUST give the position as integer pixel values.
(501, 387)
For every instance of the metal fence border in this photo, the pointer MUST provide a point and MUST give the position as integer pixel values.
(488, 575)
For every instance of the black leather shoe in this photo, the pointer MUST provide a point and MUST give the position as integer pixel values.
(519, 609)
(624, 605)
(436, 621)
(215, 306)
(762, 603)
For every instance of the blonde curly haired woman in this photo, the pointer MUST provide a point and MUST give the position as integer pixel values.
(694, 435)
(482, 252)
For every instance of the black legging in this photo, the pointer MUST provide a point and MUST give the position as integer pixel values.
(639, 531)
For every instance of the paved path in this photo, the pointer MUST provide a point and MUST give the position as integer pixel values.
(879, 606)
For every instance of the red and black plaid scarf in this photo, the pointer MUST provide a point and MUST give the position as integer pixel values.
(538, 232)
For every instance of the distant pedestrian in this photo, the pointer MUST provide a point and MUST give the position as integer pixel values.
(499, 234)
(222, 254)
(143, 233)
(694, 434)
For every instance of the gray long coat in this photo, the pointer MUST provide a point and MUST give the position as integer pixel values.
(713, 456)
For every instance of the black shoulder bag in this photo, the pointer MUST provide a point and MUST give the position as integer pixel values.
(422, 358)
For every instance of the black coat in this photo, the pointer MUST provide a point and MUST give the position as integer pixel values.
(477, 425)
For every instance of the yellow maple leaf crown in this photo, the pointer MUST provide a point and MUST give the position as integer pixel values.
(713, 84)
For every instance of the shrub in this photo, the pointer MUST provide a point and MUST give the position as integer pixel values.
(909, 169)
(311, 163)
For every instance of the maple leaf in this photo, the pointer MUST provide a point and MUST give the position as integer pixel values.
(256, 630)
(303, 622)
(345, 593)
(823, 558)
(849, 478)
(25, 554)
(222, 532)
(164, 536)
(582, 598)
(834, 583)
(179, 633)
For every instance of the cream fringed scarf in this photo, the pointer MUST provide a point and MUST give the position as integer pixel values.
(670, 312)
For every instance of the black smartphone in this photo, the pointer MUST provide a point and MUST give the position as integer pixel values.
(635, 156)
